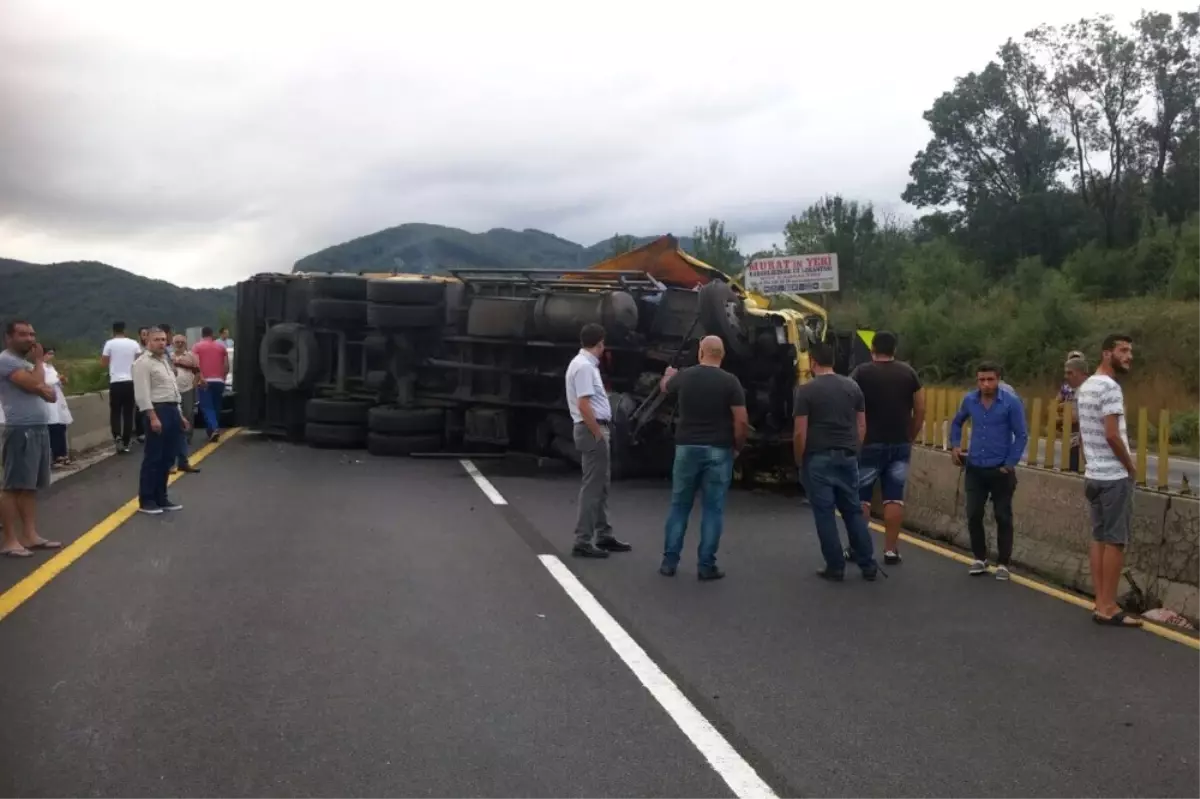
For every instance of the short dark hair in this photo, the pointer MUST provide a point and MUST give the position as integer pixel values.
(820, 353)
(118, 327)
(884, 343)
(205, 332)
(165, 328)
(591, 335)
(144, 329)
(1113, 339)
(988, 366)
(10, 326)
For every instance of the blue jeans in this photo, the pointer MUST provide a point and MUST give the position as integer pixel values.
(709, 469)
(158, 456)
(210, 404)
(831, 482)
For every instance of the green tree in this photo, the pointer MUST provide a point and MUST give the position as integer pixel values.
(619, 245)
(833, 224)
(717, 248)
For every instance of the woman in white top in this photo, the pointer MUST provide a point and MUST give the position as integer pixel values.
(58, 413)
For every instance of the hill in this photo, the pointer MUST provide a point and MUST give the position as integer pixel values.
(78, 301)
(418, 247)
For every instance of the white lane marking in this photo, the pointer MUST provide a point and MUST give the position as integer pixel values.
(739, 775)
(484, 484)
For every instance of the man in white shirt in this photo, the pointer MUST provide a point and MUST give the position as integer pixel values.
(1109, 477)
(118, 356)
(587, 400)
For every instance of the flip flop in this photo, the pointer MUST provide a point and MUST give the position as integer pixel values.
(46, 545)
(16, 553)
(1118, 619)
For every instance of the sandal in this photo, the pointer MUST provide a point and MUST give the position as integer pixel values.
(1118, 619)
(46, 545)
(16, 553)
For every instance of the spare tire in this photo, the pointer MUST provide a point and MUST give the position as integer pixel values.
(401, 317)
(721, 311)
(339, 287)
(289, 357)
(406, 292)
(337, 411)
(389, 445)
(395, 421)
(337, 313)
(341, 436)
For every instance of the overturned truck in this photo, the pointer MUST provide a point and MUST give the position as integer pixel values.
(475, 360)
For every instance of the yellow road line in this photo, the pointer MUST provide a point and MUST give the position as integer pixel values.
(1049, 590)
(14, 597)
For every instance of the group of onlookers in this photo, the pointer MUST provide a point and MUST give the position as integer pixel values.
(153, 392)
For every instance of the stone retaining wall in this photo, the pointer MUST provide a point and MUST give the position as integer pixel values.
(1052, 531)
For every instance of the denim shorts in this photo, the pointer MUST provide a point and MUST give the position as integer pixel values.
(1110, 503)
(887, 463)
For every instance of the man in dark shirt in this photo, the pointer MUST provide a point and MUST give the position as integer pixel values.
(829, 425)
(895, 404)
(710, 431)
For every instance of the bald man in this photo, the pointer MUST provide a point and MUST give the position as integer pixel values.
(712, 428)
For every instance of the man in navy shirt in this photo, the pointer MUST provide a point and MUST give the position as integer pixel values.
(998, 439)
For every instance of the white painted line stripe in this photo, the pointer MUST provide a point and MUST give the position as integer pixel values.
(483, 483)
(739, 775)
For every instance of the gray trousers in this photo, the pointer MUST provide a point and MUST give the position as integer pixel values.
(592, 524)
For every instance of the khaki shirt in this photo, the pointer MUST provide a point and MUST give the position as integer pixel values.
(184, 378)
(154, 381)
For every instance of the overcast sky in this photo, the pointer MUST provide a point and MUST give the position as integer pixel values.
(202, 145)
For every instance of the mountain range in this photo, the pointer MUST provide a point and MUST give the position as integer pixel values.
(77, 301)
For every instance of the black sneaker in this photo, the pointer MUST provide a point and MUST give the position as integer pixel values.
(171, 507)
(871, 574)
(892, 558)
(150, 510)
(667, 570)
(711, 573)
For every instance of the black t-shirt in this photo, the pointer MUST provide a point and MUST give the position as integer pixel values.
(888, 388)
(832, 404)
(706, 394)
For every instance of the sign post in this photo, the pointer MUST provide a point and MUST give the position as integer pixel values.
(793, 274)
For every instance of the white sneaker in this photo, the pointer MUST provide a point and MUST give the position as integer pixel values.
(1002, 573)
(978, 567)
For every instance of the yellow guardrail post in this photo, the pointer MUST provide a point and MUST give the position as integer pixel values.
(1143, 444)
(939, 413)
(1031, 455)
(1068, 423)
(1051, 433)
(1164, 450)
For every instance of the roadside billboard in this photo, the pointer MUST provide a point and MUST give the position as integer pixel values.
(793, 274)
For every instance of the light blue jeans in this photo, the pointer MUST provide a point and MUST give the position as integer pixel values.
(708, 469)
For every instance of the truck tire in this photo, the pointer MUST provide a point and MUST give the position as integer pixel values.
(337, 313)
(406, 292)
(721, 311)
(336, 411)
(401, 317)
(289, 357)
(565, 449)
(339, 287)
(391, 446)
(335, 436)
(406, 421)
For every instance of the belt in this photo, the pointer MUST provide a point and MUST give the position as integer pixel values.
(601, 422)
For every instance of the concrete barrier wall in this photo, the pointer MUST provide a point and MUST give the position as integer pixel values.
(90, 427)
(1052, 531)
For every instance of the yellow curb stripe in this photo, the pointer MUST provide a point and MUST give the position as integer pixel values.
(1066, 596)
(14, 597)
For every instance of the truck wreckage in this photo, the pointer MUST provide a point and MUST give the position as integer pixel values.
(475, 360)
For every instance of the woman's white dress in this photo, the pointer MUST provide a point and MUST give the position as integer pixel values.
(59, 412)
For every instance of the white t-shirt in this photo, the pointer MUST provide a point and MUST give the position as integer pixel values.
(1098, 397)
(121, 353)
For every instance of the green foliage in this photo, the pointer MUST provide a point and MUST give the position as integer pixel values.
(717, 248)
(619, 245)
(73, 305)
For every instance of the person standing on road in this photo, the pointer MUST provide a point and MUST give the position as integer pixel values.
(1109, 475)
(830, 423)
(118, 356)
(213, 358)
(895, 404)
(998, 439)
(157, 396)
(58, 413)
(25, 442)
(138, 418)
(587, 400)
(1074, 373)
(712, 429)
(223, 338)
(187, 375)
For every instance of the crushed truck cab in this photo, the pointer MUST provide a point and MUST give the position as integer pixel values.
(475, 360)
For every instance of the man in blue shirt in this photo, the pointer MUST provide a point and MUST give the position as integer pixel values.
(998, 439)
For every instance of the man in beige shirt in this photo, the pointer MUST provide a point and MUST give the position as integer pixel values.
(156, 392)
(187, 373)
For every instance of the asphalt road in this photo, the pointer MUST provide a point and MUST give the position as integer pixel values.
(324, 623)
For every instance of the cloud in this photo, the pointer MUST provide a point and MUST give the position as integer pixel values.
(200, 144)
